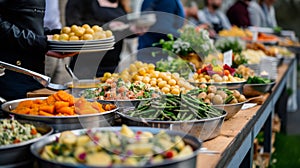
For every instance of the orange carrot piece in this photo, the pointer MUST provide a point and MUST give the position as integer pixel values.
(34, 112)
(26, 103)
(64, 96)
(100, 106)
(56, 97)
(43, 113)
(50, 100)
(66, 110)
(60, 104)
(38, 101)
(48, 108)
(24, 110)
(33, 132)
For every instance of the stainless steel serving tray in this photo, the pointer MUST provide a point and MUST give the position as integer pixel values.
(189, 161)
(252, 90)
(203, 129)
(17, 155)
(229, 85)
(62, 123)
(231, 109)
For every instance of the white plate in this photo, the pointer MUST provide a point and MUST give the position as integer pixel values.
(82, 42)
(82, 50)
(81, 47)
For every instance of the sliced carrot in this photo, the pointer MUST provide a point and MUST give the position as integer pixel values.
(50, 100)
(24, 110)
(60, 104)
(38, 101)
(56, 97)
(34, 112)
(66, 110)
(48, 108)
(26, 103)
(33, 132)
(43, 113)
(64, 96)
(100, 106)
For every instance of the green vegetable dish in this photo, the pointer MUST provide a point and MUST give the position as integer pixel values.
(115, 148)
(258, 80)
(175, 108)
(177, 65)
(12, 132)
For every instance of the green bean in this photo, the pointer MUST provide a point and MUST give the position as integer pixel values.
(189, 117)
(171, 102)
(228, 99)
(143, 107)
(183, 115)
(155, 115)
(146, 111)
(164, 115)
(183, 110)
(190, 104)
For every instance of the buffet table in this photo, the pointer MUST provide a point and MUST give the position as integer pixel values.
(235, 142)
(234, 145)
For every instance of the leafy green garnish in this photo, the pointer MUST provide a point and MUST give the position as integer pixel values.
(258, 80)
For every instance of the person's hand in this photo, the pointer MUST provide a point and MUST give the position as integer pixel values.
(139, 30)
(61, 54)
(118, 26)
(207, 27)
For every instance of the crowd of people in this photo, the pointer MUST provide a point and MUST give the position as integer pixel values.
(25, 24)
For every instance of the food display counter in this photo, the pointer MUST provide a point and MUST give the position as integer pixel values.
(185, 102)
(234, 145)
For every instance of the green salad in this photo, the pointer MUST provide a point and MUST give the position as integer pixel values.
(258, 80)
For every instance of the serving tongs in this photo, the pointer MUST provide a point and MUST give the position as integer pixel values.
(42, 79)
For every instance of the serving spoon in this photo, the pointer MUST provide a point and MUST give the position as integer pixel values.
(42, 79)
(74, 77)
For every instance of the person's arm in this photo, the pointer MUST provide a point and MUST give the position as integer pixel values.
(22, 39)
(225, 21)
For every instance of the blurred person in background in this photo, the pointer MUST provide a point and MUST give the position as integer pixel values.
(102, 13)
(23, 43)
(256, 14)
(170, 18)
(54, 67)
(262, 13)
(190, 11)
(238, 13)
(213, 16)
(269, 11)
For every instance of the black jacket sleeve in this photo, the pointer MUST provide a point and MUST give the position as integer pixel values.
(22, 39)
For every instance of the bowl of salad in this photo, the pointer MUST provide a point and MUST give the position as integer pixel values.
(16, 136)
(117, 147)
(257, 85)
(123, 94)
(219, 76)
